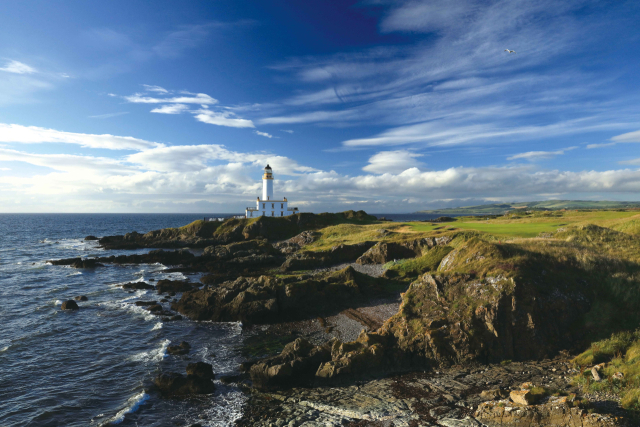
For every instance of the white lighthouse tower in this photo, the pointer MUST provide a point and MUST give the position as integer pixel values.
(268, 205)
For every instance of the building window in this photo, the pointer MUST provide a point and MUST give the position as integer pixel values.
(272, 204)
(263, 205)
(281, 205)
(281, 213)
(262, 213)
(271, 213)
(250, 213)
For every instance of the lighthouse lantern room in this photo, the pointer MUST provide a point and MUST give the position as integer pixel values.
(268, 205)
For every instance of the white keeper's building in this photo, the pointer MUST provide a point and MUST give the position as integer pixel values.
(268, 205)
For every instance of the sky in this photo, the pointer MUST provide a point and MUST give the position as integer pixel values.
(386, 106)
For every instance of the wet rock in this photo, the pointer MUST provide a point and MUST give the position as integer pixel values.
(137, 285)
(181, 349)
(91, 238)
(168, 286)
(69, 305)
(77, 262)
(145, 303)
(155, 308)
(81, 298)
(197, 381)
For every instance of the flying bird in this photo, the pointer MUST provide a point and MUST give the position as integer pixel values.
(510, 51)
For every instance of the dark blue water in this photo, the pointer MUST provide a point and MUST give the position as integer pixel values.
(94, 366)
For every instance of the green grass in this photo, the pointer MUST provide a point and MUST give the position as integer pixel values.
(413, 267)
(621, 353)
(499, 208)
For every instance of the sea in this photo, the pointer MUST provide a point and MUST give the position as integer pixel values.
(95, 366)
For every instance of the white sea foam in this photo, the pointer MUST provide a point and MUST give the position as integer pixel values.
(154, 355)
(132, 406)
(3, 349)
(58, 302)
(74, 273)
(157, 326)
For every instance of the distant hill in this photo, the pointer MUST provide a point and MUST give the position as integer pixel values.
(499, 208)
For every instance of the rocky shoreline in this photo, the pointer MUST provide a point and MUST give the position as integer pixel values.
(344, 337)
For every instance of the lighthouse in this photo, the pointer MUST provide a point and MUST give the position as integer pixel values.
(269, 205)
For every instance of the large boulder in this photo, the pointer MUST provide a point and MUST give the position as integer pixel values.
(339, 254)
(181, 349)
(69, 305)
(199, 380)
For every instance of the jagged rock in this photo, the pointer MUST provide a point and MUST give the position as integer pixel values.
(296, 365)
(522, 397)
(91, 238)
(69, 305)
(137, 285)
(164, 286)
(198, 381)
(154, 308)
(268, 299)
(81, 298)
(145, 303)
(494, 394)
(336, 255)
(384, 252)
(296, 243)
(182, 348)
(77, 262)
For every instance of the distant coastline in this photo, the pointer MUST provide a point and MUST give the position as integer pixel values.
(501, 208)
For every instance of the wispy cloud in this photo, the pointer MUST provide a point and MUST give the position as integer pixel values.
(152, 88)
(5, 169)
(17, 67)
(13, 133)
(199, 98)
(286, 130)
(265, 134)
(109, 115)
(627, 137)
(540, 155)
(222, 118)
(171, 109)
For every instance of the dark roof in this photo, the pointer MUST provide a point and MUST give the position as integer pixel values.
(268, 167)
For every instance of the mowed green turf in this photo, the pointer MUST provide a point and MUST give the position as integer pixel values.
(527, 227)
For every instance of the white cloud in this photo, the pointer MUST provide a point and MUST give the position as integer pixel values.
(286, 130)
(199, 98)
(5, 169)
(609, 144)
(265, 134)
(540, 155)
(635, 162)
(33, 135)
(393, 162)
(109, 115)
(171, 109)
(152, 88)
(627, 137)
(17, 67)
(224, 118)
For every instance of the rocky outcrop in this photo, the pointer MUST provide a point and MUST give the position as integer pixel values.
(296, 243)
(91, 238)
(137, 285)
(295, 366)
(181, 349)
(145, 303)
(165, 286)
(268, 299)
(77, 262)
(338, 254)
(81, 298)
(384, 252)
(199, 380)
(69, 305)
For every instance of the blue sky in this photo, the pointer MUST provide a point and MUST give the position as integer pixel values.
(132, 106)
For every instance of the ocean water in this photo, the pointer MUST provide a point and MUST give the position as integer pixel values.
(94, 366)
